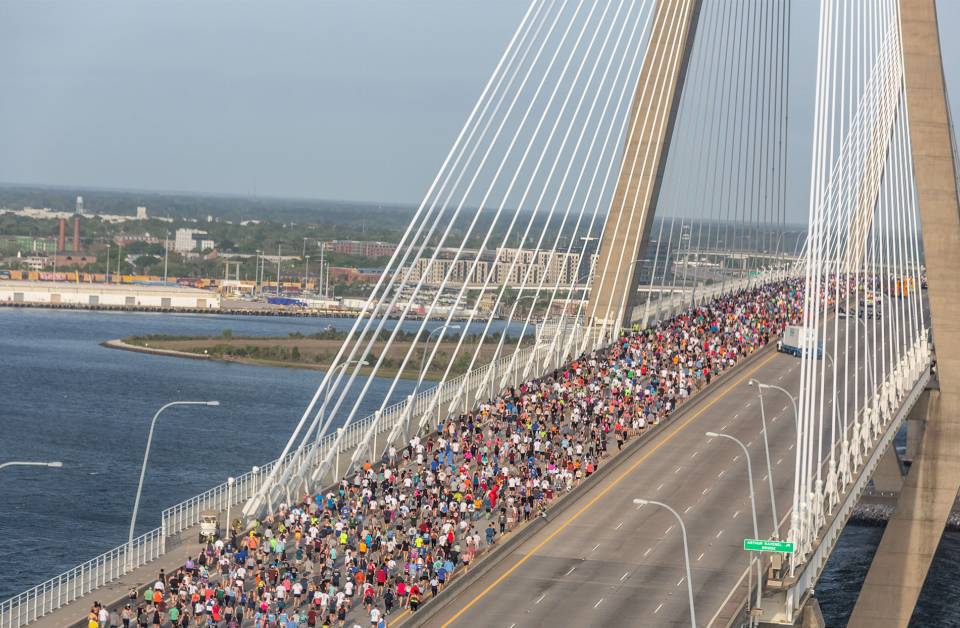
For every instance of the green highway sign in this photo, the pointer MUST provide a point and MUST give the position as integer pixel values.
(761, 545)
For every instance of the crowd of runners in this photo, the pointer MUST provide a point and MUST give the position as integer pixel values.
(394, 532)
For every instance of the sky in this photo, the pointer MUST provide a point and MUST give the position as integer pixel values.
(290, 98)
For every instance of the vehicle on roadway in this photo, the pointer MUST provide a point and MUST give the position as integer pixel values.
(209, 526)
(871, 305)
(796, 338)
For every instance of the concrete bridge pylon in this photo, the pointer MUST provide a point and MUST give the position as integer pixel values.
(910, 540)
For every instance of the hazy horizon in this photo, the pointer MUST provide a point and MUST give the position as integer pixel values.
(298, 100)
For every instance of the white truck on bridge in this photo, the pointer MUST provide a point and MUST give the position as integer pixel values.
(796, 339)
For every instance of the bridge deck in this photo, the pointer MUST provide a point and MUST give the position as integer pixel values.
(604, 561)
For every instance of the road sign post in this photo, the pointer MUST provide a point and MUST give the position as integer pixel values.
(762, 545)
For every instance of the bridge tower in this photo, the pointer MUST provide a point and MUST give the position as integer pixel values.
(901, 563)
(651, 122)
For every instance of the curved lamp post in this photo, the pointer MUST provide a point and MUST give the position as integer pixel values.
(686, 552)
(146, 455)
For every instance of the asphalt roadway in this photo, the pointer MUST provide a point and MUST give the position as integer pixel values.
(608, 562)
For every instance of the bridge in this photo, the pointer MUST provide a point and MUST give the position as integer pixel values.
(646, 456)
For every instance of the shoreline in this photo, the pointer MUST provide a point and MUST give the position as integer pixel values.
(878, 514)
(120, 345)
(261, 312)
(186, 310)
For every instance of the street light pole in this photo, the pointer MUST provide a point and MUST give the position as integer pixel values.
(256, 273)
(766, 451)
(753, 501)
(166, 251)
(278, 269)
(230, 482)
(793, 400)
(423, 359)
(686, 552)
(330, 382)
(146, 455)
(794, 515)
(56, 464)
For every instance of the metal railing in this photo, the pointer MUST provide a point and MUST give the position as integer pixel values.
(82, 579)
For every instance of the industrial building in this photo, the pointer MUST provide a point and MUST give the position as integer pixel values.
(106, 295)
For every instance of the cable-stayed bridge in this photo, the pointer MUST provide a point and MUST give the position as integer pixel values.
(610, 225)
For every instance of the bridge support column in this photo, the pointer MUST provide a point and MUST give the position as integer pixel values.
(652, 117)
(901, 563)
(808, 617)
(888, 478)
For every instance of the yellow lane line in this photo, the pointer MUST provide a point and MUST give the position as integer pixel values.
(607, 489)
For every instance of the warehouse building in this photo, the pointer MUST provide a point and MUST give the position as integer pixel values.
(107, 295)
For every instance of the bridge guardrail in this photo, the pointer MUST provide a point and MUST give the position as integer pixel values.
(80, 580)
(187, 513)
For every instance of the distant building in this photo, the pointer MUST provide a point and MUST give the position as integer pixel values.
(126, 239)
(26, 245)
(344, 274)
(187, 240)
(504, 266)
(141, 213)
(37, 262)
(79, 206)
(361, 248)
(110, 295)
(80, 260)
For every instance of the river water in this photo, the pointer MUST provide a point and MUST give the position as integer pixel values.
(64, 397)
